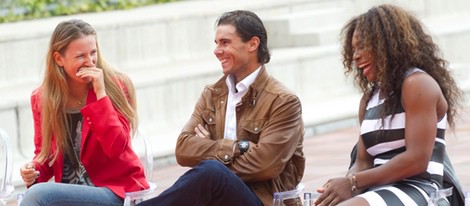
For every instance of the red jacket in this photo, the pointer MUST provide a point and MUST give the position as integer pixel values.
(106, 150)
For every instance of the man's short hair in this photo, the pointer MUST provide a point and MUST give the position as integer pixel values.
(248, 25)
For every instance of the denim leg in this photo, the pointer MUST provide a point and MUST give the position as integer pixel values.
(209, 183)
(61, 194)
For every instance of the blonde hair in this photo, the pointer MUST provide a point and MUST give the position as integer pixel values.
(119, 89)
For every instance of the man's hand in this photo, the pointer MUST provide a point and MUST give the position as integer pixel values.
(202, 132)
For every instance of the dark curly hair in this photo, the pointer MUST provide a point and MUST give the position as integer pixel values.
(397, 42)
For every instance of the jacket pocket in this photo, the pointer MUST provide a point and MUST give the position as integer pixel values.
(251, 129)
(208, 118)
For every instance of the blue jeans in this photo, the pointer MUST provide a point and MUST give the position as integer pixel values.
(60, 194)
(209, 183)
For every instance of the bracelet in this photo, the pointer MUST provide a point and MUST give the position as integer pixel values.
(353, 180)
(234, 146)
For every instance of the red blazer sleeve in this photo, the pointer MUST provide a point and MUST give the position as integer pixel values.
(46, 172)
(109, 126)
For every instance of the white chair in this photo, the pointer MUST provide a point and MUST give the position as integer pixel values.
(438, 198)
(467, 198)
(297, 194)
(143, 148)
(6, 164)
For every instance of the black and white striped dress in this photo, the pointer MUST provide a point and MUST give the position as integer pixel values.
(384, 142)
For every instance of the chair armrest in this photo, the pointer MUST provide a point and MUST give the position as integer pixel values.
(132, 198)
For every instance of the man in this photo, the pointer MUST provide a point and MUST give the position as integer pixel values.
(244, 139)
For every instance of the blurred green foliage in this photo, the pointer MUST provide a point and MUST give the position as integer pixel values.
(17, 10)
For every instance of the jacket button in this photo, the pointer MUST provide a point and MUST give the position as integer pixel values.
(226, 157)
(256, 129)
(210, 119)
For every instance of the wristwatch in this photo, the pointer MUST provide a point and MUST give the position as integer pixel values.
(243, 146)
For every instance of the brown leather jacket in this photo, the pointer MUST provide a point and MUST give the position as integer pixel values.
(269, 116)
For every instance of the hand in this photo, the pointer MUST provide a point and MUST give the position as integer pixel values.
(96, 77)
(202, 132)
(28, 173)
(334, 191)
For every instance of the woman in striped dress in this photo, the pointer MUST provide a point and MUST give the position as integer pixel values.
(409, 98)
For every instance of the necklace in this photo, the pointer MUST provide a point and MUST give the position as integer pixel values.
(81, 168)
(76, 103)
(82, 100)
(80, 175)
(75, 151)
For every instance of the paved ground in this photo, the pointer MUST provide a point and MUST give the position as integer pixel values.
(328, 156)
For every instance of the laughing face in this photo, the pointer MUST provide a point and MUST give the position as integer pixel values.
(232, 52)
(80, 53)
(362, 58)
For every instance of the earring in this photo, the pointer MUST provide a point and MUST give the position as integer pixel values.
(61, 69)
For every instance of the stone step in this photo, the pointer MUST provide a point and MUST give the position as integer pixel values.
(319, 17)
(165, 34)
(422, 8)
(325, 35)
(130, 39)
(452, 34)
(308, 28)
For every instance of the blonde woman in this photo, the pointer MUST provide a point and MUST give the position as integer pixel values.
(84, 114)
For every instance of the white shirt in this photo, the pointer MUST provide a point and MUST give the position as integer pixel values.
(234, 97)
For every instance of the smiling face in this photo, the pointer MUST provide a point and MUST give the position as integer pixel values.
(237, 58)
(81, 52)
(363, 58)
